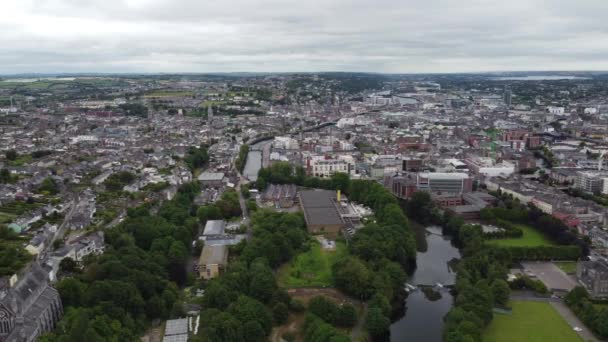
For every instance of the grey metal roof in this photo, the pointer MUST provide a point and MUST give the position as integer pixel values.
(176, 338)
(319, 207)
(211, 176)
(214, 227)
(176, 327)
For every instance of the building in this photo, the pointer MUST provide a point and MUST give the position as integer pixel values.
(402, 186)
(320, 212)
(29, 306)
(452, 183)
(467, 206)
(211, 179)
(589, 181)
(322, 167)
(213, 261)
(412, 164)
(506, 96)
(593, 275)
(176, 330)
(280, 196)
(214, 227)
(489, 168)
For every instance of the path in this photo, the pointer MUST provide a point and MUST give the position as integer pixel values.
(573, 321)
(355, 334)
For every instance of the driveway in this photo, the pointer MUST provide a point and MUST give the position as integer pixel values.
(552, 276)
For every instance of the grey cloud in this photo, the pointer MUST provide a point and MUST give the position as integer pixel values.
(314, 35)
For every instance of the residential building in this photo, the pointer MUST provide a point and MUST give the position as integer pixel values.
(593, 275)
(589, 181)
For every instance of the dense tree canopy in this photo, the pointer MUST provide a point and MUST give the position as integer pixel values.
(134, 281)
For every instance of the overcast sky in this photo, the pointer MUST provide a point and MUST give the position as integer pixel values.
(302, 35)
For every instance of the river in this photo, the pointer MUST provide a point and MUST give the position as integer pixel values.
(254, 160)
(253, 165)
(423, 316)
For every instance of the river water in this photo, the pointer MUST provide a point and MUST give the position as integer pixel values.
(254, 160)
(253, 165)
(423, 316)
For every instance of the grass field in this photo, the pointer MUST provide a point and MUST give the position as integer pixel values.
(530, 322)
(566, 266)
(312, 268)
(530, 238)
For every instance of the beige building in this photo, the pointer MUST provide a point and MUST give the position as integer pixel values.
(212, 262)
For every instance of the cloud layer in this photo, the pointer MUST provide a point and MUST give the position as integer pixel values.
(315, 35)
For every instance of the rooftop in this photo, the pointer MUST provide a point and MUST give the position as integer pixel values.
(214, 255)
(176, 327)
(214, 227)
(319, 207)
(211, 176)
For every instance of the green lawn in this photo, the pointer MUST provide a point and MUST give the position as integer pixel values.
(312, 268)
(530, 322)
(567, 266)
(531, 238)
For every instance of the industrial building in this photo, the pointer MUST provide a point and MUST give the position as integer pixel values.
(321, 212)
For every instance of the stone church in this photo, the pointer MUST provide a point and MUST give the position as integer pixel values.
(29, 306)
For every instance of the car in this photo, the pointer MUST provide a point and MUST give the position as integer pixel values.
(577, 329)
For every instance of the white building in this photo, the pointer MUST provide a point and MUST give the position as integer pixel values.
(556, 110)
(321, 167)
(489, 168)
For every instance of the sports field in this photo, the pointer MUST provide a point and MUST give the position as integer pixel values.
(530, 322)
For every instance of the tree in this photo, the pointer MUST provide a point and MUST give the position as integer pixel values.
(340, 181)
(253, 332)
(280, 313)
(11, 155)
(71, 291)
(323, 308)
(346, 316)
(263, 284)
(352, 276)
(208, 212)
(49, 186)
(501, 291)
(68, 265)
(223, 327)
(376, 323)
(5, 176)
(380, 301)
(247, 309)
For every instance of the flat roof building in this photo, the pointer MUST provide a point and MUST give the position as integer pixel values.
(214, 227)
(320, 212)
(213, 260)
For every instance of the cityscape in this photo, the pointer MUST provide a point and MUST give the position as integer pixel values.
(176, 171)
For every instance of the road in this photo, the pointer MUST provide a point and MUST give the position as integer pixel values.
(246, 219)
(61, 230)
